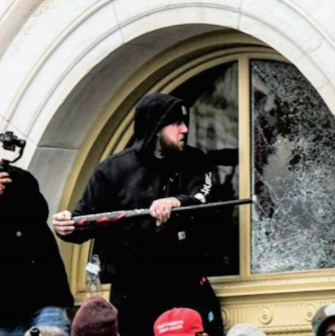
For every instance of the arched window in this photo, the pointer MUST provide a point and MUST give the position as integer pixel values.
(264, 108)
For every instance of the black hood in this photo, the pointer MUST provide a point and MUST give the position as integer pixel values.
(154, 112)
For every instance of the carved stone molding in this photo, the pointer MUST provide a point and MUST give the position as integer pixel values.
(265, 315)
(309, 312)
(288, 330)
(225, 314)
(282, 314)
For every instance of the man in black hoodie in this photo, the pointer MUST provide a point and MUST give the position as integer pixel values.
(33, 284)
(151, 263)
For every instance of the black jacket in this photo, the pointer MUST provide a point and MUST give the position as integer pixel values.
(133, 179)
(32, 272)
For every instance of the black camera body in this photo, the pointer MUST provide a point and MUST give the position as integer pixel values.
(10, 142)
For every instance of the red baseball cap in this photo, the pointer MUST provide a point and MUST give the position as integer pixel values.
(178, 322)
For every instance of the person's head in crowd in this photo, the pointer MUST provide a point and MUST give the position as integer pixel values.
(245, 329)
(323, 322)
(45, 331)
(96, 316)
(179, 321)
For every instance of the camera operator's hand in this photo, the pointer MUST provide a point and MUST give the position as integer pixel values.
(62, 223)
(161, 209)
(4, 179)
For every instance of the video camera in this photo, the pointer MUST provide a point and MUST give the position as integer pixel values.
(10, 142)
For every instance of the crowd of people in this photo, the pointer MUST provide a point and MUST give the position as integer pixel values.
(151, 262)
(97, 316)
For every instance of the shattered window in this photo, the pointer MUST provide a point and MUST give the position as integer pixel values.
(293, 222)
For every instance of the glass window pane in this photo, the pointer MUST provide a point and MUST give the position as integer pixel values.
(213, 95)
(293, 172)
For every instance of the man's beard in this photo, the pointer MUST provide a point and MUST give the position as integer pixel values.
(169, 147)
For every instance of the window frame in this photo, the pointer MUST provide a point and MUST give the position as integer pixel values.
(235, 286)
